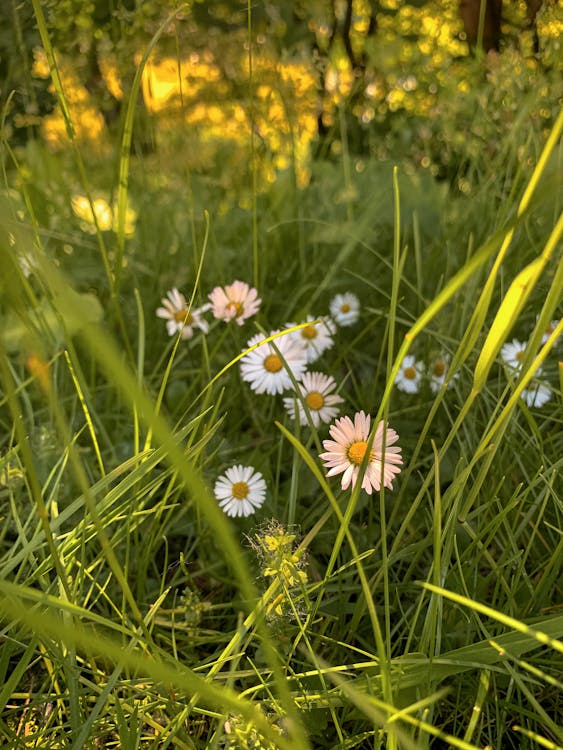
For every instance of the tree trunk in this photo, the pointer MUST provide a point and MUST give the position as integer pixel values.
(481, 20)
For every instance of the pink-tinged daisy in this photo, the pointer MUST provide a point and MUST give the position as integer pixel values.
(236, 301)
(409, 376)
(264, 369)
(175, 311)
(536, 394)
(345, 309)
(512, 354)
(346, 451)
(316, 391)
(240, 490)
(314, 338)
(438, 371)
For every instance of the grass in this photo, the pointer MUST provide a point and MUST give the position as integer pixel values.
(135, 614)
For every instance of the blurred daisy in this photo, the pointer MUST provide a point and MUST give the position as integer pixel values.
(346, 451)
(236, 301)
(27, 264)
(549, 330)
(513, 353)
(438, 371)
(536, 395)
(316, 391)
(264, 369)
(175, 311)
(240, 490)
(345, 309)
(314, 338)
(409, 376)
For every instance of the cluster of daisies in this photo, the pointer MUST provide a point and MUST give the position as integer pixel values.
(236, 301)
(278, 364)
(512, 354)
(413, 372)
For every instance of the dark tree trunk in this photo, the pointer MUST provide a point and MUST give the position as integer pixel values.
(532, 9)
(488, 14)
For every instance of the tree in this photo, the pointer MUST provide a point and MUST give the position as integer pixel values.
(482, 22)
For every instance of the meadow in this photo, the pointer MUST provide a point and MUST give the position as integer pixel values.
(281, 446)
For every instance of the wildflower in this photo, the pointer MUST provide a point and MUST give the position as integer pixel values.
(315, 338)
(280, 558)
(240, 733)
(513, 354)
(264, 369)
(536, 394)
(175, 312)
(39, 369)
(316, 391)
(345, 309)
(552, 325)
(346, 451)
(438, 372)
(236, 301)
(280, 561)
(240, 490)
(409, 376)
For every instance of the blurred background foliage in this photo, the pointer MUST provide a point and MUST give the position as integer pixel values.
(412, 81)
(299, 111)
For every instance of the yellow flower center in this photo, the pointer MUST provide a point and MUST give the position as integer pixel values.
(309, 332)
(314, 400)
(180, 316)
(345, 308)
(439, 369)
(239, 490)
(409, 373)
(520, 355)
(356, 452)
(237, 307)
(272, 363)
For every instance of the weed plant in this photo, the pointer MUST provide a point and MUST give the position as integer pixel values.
(135, 613)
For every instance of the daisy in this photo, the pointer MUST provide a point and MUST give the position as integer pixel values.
(513, 353)
(549, 330)
(175, 312)
(236, 301)
(346, 451)
(345, 309)
(316, 391)
(240, 490)
(536, 395)
(438, 372)
(264, 369)
(409, 376)
(315, 338)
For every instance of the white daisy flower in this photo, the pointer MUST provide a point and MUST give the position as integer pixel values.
(438, 371)
(240, 490)
(316, 391)
(512, 354)
(536, 395)
(409, 376)
(346, 451)
(549, 330)
(175, 312)
(345, 309)
(314, 338)
(264, 369)
(236, 301)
